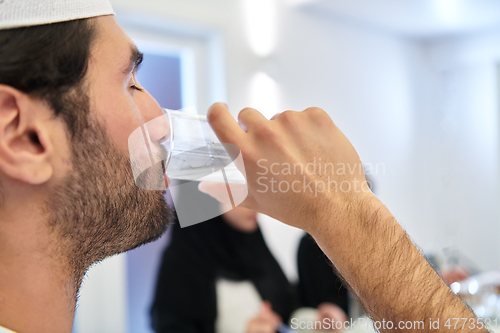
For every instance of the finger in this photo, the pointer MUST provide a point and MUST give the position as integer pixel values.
(249, 117)
(266, 306)
(331, 311)
(267, 313)
(224, 125)
(276, 319)
(261, 326)
(228, 194)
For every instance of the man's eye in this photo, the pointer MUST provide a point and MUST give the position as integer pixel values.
(134, 85)
(136, 88)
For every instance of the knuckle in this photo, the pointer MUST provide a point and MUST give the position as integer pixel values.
(315, 112)
(244, 113)
(288, 116)
(291, 119)
(318, 116)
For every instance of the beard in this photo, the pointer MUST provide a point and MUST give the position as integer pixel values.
(97, 210)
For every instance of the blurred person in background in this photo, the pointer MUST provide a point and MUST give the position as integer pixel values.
(220, 276)
(456, 274)
(319, 285)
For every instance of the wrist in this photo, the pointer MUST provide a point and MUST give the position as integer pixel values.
(351, 213)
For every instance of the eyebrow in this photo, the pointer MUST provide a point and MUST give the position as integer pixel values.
(135, 61)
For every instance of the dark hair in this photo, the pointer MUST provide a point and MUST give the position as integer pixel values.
(48, 62)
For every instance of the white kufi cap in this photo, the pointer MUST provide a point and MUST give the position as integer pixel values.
(25, 13)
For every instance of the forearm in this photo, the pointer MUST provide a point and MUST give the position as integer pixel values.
(387, 272)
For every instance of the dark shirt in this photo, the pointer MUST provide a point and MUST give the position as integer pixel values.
(318, 281)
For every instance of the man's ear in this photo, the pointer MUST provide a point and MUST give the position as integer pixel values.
(25, 147)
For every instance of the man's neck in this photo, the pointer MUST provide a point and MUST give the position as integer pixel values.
(37, 293)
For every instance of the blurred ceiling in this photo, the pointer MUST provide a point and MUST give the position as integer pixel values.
(416, 18)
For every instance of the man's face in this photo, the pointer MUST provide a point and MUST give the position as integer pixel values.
(115, 102)
(98, 209)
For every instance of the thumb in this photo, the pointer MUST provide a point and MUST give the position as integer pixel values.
(225, 193)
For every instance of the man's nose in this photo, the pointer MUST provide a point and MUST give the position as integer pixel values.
(148, 106)
(155, 120)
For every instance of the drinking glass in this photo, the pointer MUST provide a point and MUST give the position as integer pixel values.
(183, 146)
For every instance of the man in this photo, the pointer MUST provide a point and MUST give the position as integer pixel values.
(69, 101)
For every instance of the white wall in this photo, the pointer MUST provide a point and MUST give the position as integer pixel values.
(456, 147)
(102, 301)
